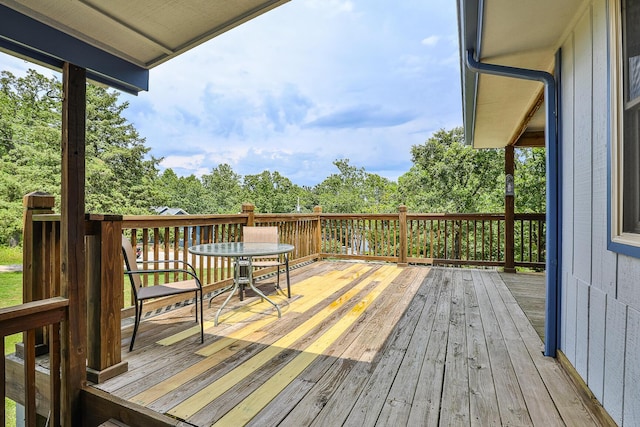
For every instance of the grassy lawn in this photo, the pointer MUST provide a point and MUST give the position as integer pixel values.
(10, 294)
(10, 255)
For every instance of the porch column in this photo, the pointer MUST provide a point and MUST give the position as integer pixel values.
(509, 261)
(73, 280)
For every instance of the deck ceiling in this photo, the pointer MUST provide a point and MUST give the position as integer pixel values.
(517, 34)
(129, 36)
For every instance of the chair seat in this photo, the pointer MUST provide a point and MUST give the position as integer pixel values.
(172, 288)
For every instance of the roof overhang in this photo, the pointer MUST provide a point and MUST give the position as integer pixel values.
(500, 111)
(117, 41)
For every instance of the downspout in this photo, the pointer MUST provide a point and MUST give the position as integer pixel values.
(551, 145)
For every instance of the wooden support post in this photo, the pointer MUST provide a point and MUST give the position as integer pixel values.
(509, 260)
(317, 210)
(73, 279)
(104, 299)
(33, 277)
(248, 208)
(402, 244)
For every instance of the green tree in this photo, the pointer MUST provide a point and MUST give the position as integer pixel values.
(185, 193)
(271, 192)
(119, 177)
(224, 188)
(353, 190)
(449, 176)
(530, 180)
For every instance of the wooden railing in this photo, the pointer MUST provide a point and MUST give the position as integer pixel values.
(29, 318)
(436, 239)
(402, 237)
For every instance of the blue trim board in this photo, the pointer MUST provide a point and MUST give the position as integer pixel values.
(30, 39)
(560, 177)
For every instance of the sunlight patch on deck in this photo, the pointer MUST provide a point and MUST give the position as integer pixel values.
(383, 277)
(311, 287)
(251, 333)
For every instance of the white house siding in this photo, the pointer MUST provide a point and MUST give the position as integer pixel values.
(600, 318)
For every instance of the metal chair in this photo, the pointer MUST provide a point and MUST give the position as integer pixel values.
(267, 235)
(143, 293)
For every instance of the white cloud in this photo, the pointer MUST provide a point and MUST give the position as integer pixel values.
(431, 41)
(250, 97)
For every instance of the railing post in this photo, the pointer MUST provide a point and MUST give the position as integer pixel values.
(105, 274)
(509, 208)
(317, 210)
(402, 246)
(33, 277)
(248, 208)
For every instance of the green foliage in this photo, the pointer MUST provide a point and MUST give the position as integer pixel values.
(271, 192)
(224, 189)
(355, 190)
(182, 192)
(119, 177)
(449, 176)
(530, 180)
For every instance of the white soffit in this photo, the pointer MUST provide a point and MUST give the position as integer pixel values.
(523, 34)
(143, 32)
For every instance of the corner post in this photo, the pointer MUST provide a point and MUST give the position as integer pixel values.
(509, 209)
(402, 245)
(248, 208)
(105, 274)
(33, 278)
(317, 210)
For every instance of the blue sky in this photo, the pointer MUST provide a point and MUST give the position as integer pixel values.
(303, 85)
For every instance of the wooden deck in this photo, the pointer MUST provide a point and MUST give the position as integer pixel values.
(357, 344)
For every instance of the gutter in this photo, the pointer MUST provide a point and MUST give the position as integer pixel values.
(552, 309)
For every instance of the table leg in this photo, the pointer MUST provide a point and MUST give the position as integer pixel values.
(239, 281)
(259, 292)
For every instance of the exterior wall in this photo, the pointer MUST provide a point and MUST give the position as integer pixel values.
(600, 318)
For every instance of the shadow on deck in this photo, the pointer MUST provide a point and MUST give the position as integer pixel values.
(357, 344)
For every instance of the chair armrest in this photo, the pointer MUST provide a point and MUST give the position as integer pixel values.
(192, 274)
(157, 261)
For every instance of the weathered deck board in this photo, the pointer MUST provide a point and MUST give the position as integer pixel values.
(529, 291)
(358, 344)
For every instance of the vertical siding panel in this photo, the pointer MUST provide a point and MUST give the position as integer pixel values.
(616, 323)
(597, 316)
(582, 328)
(628, 288)
(567, 185)
(632, 370)
(570, 319)
(582, 154)
(603, 261)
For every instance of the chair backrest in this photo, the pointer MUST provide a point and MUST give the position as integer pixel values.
(260, 234)
(130, 264)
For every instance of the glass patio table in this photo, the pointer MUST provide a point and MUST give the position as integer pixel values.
(242, 254)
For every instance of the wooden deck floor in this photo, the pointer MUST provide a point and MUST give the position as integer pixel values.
(357, 344)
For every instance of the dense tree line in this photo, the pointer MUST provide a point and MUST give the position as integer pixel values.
(123, 177)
